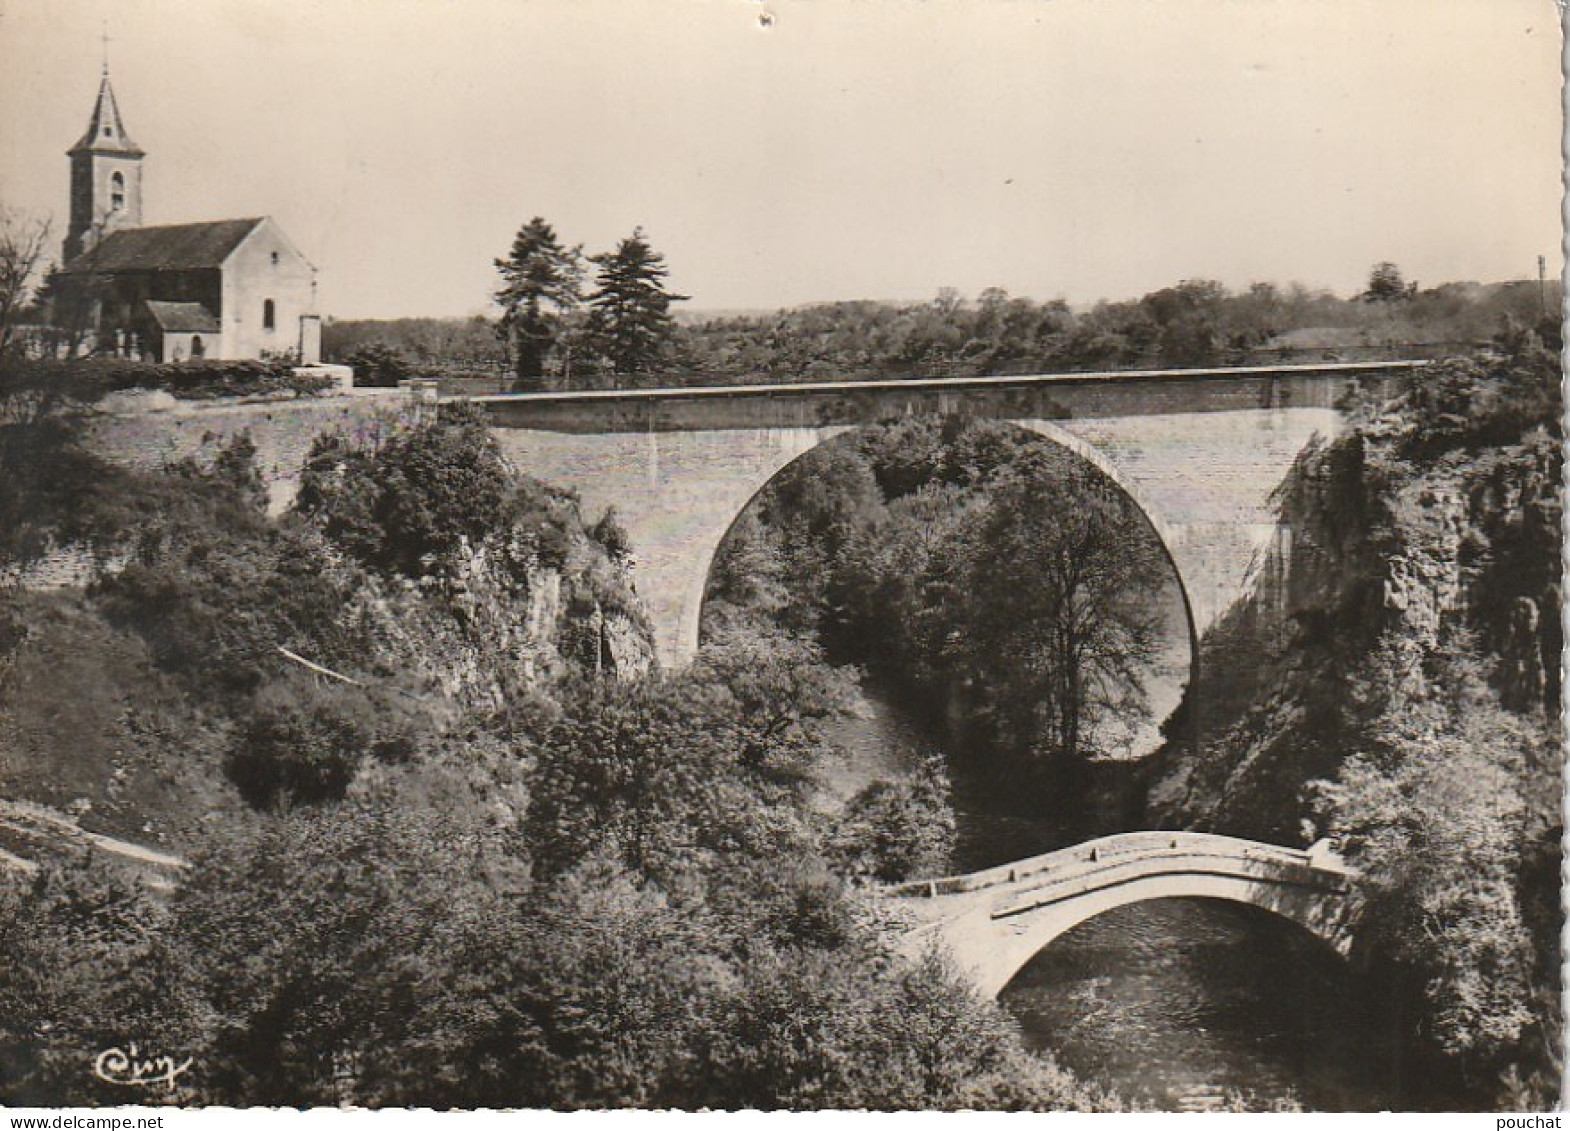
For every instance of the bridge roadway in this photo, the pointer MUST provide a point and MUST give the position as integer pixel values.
(992, 922)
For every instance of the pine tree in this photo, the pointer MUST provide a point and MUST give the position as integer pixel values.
(629, 313)
(540, 285)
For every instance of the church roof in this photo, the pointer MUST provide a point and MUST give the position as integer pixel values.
(106, 132)
(183, 317)
(167, 247)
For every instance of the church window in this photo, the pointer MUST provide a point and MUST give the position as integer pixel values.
(109, 131)
(275, 259)
(269, 314)
(197, 348)
(117, 192)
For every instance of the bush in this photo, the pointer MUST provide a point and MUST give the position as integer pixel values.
(215, 588)
(406, 506)
(189, 380)
(379, 365)
(897, 830)
(294, 753)
(414, 500)
(612, 535)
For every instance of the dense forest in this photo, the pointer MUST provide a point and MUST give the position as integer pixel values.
(1010, 593)
(477, 836)
(1192, 323)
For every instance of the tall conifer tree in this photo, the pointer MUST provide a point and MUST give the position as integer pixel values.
(540, 286)
(629, 312)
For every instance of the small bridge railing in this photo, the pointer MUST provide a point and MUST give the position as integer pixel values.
(1107, 854)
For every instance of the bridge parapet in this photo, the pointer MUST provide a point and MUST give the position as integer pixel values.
(1166, 845)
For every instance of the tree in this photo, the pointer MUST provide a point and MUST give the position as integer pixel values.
(629, 312)
(1057, 618)
(406, 506)
(1385, 284)
(540, 285)
(1433, 813)
(22, 244)
(897, 829)
(377, 364)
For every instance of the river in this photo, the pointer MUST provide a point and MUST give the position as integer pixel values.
(1178, 1004)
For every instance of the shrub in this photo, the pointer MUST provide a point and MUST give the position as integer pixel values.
(381, 365)
(611, 534)
(214, 589)
(897, 830)
(190, 380)
(406, 506)
(413, 500)
(304, 740)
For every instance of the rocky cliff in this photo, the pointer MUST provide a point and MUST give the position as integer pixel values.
(500, 619)
(1387, 545)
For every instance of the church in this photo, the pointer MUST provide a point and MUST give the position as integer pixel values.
(224, 289)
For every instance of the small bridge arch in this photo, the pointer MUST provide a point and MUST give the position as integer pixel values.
(991, 923)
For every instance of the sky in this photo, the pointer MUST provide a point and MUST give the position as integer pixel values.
(790, 151)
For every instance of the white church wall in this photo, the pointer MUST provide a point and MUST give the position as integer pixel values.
(266, 266)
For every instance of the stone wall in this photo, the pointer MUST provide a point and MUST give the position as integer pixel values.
(281, 430)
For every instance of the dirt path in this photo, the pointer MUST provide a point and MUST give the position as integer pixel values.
(29, 830)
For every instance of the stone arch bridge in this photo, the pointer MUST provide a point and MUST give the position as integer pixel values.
(1200, 451)
(991, 923)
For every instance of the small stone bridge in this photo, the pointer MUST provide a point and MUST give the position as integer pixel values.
(991, 923)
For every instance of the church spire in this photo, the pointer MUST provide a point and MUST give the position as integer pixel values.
(106, 176)
(106, 132)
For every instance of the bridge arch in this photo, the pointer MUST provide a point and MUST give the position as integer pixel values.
(1166, 535)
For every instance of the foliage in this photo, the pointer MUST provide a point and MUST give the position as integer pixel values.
(1404, 656)
(1081, 633)
(50, 486)
(230, 465)
(1475, 402)
(540, 286)
(629, 320)
(667, 775)
(438, 346)
(407, 503)
(22, 244)
(35, 392)
(612, 535)
(809, 1031)
(375, 364)
(1193, 322)
(311, 958)
(87, 965)
(1385, 284)
(215, 587)
(897, 830)
(316, 941)
(303, 743)
(1196, 322)
(1432, 813)
(194, 380)
(905, 549)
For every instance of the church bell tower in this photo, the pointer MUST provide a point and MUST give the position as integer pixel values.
(106, 177)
